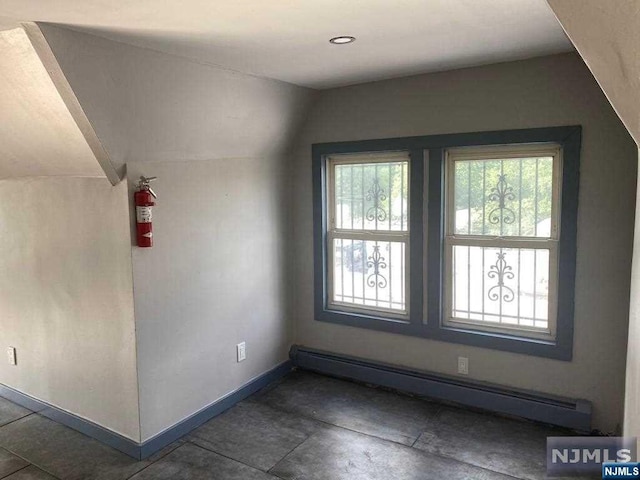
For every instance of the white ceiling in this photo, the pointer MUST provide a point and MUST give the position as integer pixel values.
(288, 39)
(38, 135)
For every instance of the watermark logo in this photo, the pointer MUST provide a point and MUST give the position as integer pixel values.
(587, 455)
(620, 470)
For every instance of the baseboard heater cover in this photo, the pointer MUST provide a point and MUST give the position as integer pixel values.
(564, 412)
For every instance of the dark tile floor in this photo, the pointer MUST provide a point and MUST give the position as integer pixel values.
(305, 427)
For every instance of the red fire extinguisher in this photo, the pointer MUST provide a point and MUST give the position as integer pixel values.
(144, 197)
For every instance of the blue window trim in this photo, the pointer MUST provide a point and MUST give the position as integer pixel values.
(433, 147)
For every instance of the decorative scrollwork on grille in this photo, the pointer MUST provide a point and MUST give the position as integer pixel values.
(377, 262)
(501, 271)
(502, 193)
(377, 195)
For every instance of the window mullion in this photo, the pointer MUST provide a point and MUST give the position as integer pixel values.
(434, 231)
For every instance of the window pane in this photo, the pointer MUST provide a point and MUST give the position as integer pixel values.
(369, 273)
(371, 196)
(504, 197)
(505, 286)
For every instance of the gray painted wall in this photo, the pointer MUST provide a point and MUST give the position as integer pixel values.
(549, 91)
(151, 106)
(216, 276)
(66, 301)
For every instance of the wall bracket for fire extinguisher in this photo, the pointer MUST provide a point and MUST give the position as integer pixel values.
(143, 198)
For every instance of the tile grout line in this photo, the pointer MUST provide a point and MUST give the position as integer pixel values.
(324, 424)
(142, 469)
(422, 452)
(40, 467)
(45, 470)
(290, 452)
(344, 428)
(417, 450)
(209, 449)
(17, 419)
(190, 442)
(30, 463)
(439, 455)
(35, 464)
(442, 407)
(156, 460)
(227, 457)
(19, 470)
(436, 419)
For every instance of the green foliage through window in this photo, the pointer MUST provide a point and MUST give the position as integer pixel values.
(505, 197)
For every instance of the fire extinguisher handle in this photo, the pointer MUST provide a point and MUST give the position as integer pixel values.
(144, 184)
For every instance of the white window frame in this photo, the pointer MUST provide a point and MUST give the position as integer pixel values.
(365, 235)
(452, 239)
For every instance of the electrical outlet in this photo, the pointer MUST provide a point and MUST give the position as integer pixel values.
(242, 351)
(11, 356)
(463, 365)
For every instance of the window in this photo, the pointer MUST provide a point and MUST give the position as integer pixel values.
(368, 235)
(464, 238)
(501, 243)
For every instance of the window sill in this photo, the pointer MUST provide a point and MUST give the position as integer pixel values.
(371, 322)
(477, 338)
(555, 349)
(493, 329)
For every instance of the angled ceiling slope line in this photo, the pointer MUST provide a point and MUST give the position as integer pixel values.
(44, 131)
(289, 41)
(149, 106)
(48, 59)
(607, 35)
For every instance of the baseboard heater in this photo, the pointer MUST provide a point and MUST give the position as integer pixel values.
(564, 412)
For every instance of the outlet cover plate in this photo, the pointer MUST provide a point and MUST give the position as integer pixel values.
(11, 356)
(463, 365)
(242, 351)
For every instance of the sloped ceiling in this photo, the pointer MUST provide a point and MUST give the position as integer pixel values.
(151, 106)
(38, 134)
(288, 40)
(607, 36)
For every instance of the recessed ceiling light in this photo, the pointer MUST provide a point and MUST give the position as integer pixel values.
(342, 40)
